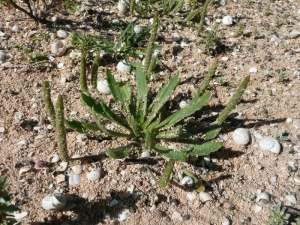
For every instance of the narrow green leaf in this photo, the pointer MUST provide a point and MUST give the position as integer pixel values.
(166, 174)
(90, 127)
(75, 125)
(162, 96)
(198, 185)
(212, 133)
(170, 134)
(207, 79)
(83, 83)
(87, 100)
(104, 129)
(118, 153)
(195, 104)
(202, 149)
(233, 101)
(142, 92)
(95, 68)
(171, 154)
(113, 86)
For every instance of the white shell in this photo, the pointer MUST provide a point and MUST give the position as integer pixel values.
(94, 175)
(183, 104)
(291, 198)
(123, 67)
(241, 136)
(138, 29)
(15, 28)
(123, 216)
(62, 34)
(253, 70)
(269, 144)
(73, 179)
(2, 56)
(227, 20)
(187, 181)
(204, 196)
(77, 169)
(258, 208)
(263, 195)
(63, 166)
(226, 221)
(102, 87)
(54, 201)
(145, 154)
(294, 34)
(55, 158)
(58, 48)
(122, 6)
(18, 216)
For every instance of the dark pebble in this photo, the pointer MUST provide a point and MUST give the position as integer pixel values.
(289, 168)
(168, 219)
(143, 169)
(160, 213)
(186, 217)
(298, 136)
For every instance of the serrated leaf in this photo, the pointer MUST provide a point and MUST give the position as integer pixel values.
(166, 174)
(195, 104)
(162, 96)
(171, 154)
(203, 148)
(118, 153)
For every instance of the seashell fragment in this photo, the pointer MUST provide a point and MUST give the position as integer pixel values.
(63, 166)
(258, 208)
(54, 158)
(294, 34)
(77, 169)
(123, 66)
(94, 175)
(58, 48)
(123, 215)
(62, 34)
(2, 56)
(54, 201)
(226, 221)
(191, 196)
(227, 20)
(23, 170)
(263, 195)
(102, 87)
(253, 70)
(241, 136)
(269, 144)
(187, 181)
(18, 216)
(176, 37)
(204, 196)
(291, 198)
(122, 6)
(73, 179)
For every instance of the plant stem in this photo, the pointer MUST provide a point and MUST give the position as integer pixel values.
(233, 102)
(166, 175)
(83, 83)
(61, 131)
(149, 50)
(48, 103)
(203, 14)
(207, 79)
(95, 67)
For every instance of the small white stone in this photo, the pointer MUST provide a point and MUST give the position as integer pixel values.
(253, 70)
(15, 28)
(258, 208)
(122, 6)
(176, 215)
(206, 21)
(138, 29)
(145, 154)
(62, 34)
(291, 198)
(54, 18)
(183, 104)
(227, 20)
(73, 179)
(289, 120)
(263, 195)
(63, 80)
(226, 221)
(176, 37)
(294, 34)
(222, 2)
(224, 58)
(123, 216)
(2, 129)
(123, 67)
(60, 65)
(102, 87)
(204, 196)
(2, 56)
(153, 207)
(191, 196)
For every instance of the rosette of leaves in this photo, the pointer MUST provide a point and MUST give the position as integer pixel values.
(144, 120)
(6, 209)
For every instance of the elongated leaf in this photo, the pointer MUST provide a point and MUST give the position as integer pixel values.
(198, 185)
(162, 96)
(119, 153)
(87, 100)
(90, 127)
(170, 134)
(166, 175)
(113, 86)
(75, 125)
(178, 6)
(211, 134)
(142, 92)
(171, 154)
(195, 104)
(104, 129)
(202, 149)
(95, 68)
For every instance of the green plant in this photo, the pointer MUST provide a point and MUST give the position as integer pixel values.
(203, 14)
(6, 209)
(238, 31)
(145, 122)
(278, 216)
(283, 77)
(211, 43)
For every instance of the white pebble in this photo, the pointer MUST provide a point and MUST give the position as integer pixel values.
(15, 28)
(222, 2)
(204, 196)
(102, 87)
(258, 208)
(123, 67)
(224, 58)
(122, 6)
(60, 65)
(291, 198)
(2, 129)
(183, 104)
(253, 70)
(289, 120)
(263, 195)
(176, 215)
(227, 20)
(191, 196)
(176, 37)
(226, 221)
(123, 216)
(62, 34)
(294, 34)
